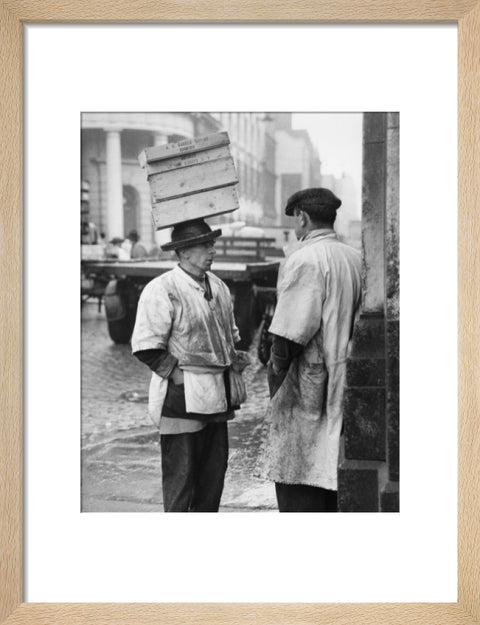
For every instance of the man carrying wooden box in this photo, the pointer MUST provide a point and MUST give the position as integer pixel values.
(185, 329)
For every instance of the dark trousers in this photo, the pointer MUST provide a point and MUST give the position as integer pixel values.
(193, 469)
(302, 498)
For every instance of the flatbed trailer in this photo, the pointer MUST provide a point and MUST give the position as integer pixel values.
(119, 285)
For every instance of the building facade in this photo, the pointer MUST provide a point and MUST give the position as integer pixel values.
(272, 161)
(110, 145)
(348, 221)
(297, 164)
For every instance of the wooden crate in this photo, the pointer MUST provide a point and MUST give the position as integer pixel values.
(191, 179)
(205, 204)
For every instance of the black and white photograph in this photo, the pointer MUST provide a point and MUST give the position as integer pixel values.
(239, 311)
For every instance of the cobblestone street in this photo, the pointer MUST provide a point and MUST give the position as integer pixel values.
(120, 451)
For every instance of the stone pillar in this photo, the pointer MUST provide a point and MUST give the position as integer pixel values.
(368, 471)
(114, 184)
(373, 211)
(390, 493)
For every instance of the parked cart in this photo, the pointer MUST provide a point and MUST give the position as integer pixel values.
(241, 264)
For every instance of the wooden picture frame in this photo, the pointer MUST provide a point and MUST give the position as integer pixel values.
(13, 15)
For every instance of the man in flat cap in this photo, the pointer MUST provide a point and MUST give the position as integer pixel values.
(319, 289)
(185, 332)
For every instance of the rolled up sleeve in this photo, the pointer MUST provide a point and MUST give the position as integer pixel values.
(159, 361)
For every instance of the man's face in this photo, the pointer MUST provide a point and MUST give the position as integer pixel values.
(299, 224)
(200, 257)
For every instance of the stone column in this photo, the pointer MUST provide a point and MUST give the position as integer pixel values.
(114, 184)
(368, 472)
(373, 211)
(389, 496)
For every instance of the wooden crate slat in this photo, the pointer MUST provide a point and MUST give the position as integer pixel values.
(177, 162)
(186, 146)
(180, 182)
(195, 206)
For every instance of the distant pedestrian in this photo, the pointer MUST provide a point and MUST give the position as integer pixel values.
(115, 250)
(138, 250)
(319, 289)
(103, 243)
(185, 332)
(88, 230)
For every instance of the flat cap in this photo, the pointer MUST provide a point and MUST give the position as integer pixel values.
(316, 201)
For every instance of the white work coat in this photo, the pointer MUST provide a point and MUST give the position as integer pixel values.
(173, 314)
(319, 290)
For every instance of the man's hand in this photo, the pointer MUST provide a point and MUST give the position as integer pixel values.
(177, 376)
(240, 361)
(275, 378)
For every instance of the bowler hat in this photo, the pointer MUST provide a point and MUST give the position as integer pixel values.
(133, 236)
(317, 202)
(189, 233)
(116, 241)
